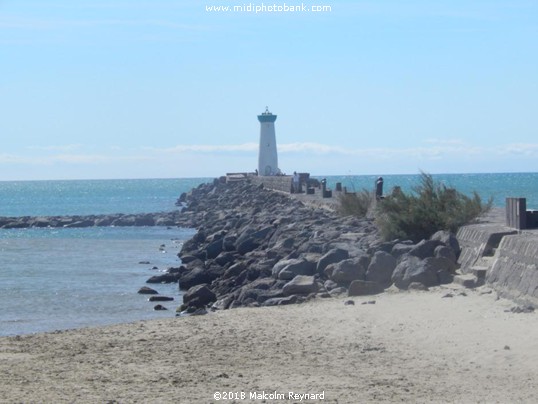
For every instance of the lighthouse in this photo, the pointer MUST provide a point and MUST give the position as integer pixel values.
(267, 157)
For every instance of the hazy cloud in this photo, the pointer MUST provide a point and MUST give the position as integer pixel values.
(452, 150)
(58, 148)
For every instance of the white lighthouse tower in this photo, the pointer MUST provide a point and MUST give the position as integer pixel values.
(267, 157)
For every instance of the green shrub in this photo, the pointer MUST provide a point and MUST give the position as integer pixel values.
(356, 204)
(431, 207)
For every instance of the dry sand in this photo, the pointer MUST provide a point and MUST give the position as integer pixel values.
(407, 347)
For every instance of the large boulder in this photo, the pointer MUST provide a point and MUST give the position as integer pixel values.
(362, 288)
(164, 278)
(425, 248)
(300, 285)
(381, 268)
(251, 239)
(346, 271)
(213, 249)
(447, 253)
(196, 276)
(448, 239)
(331, 257)
(287, 269)
(144, 290)
(225, 258)
(199, 296)
(255, 288)
(413, 269)
(400, 249)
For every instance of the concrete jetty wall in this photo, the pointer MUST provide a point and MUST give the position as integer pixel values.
(478, 243)
(514, 273)
(508, 257)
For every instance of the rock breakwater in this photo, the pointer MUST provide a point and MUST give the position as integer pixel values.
(256, 247)
(117, 219)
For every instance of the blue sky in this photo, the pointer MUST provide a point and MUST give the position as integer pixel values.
(160, 89)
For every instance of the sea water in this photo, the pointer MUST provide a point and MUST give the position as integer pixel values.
(60, 278)
(54, 279)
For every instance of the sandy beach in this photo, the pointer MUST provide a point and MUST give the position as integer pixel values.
(444, 345)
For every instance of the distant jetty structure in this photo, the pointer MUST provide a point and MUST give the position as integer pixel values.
(267, 157)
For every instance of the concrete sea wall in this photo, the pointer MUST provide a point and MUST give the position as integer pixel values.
(478, 244)
(514, 273)
(505, 257)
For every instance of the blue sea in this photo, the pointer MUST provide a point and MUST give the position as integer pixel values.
(54, 279)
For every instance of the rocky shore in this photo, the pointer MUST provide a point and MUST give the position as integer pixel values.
(256, 247)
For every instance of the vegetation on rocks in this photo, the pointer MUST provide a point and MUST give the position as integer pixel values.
(357, 204)
(430, 207)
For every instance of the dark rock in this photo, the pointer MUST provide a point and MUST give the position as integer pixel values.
(199, 296)
(400, 249)
(264, 295)
(185, 259)
(413, 269)
(225, 258)
(425, 248)
(288, 269)
(144, 220)
(381, 267)
(197, 276)
(346, 271)
(144, 290)
(449, 240)
(443, 251)
(253, 289)
(234, 270)
(223, 303)
(417, 286)
(331, 257)
(214, 249)
(349, 303)
(362, 288)
(300, 285)
(124, 221)
(248, 245)
(81, 223)
(160, 299)
(164, 278)
(330, 285)
(104, 221)
(158, 307)
(281, 301)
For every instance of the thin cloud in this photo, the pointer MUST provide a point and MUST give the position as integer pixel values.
(434, 152)
(521, 149)
(58, 148)
(245, 147)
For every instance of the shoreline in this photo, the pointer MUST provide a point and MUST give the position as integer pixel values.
(409, 346)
